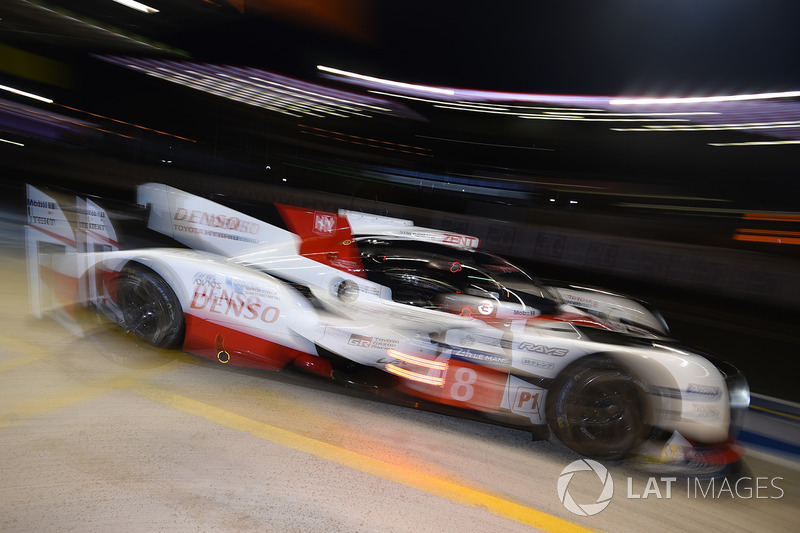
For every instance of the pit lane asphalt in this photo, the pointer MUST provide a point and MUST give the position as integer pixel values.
(174, 443)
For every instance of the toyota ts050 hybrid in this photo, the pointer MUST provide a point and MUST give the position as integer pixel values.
(417, 315)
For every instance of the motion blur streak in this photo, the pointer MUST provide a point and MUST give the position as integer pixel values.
(380, 81)
(126, 123)
(704, 99)
(414, 376)
(720, 127)
(138, 6)
(365, 141)
(26, 94)
(772, 233)
(437, 365)
(755, 143)
(260, 88)
(772, 217)
(773, 239)
(473, 497)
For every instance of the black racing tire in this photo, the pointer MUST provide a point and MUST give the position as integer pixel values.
(599, 409)
(150, 308)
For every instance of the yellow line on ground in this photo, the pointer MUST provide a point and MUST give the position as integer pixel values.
(429, 484)
(32, 353)
(57, 402)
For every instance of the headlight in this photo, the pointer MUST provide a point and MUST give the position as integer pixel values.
(738, 392)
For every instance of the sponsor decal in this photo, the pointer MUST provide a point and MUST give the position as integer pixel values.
(483, 357)
(461, 240)
(362, 341)
(541, 348)
(579, 301)
(42, 221)
(182, 228)
(486, 307)
(204, 218)
(374, 291)
(455, 267)
(526, 400)
(91, 212)
(693, 392)
(324, 224)
(202, 278)
(343, 264)
(41, 203)
(91, 225)
(243, 287)
(705, 411)
(232, 304)
(537, 363)
(705, 391)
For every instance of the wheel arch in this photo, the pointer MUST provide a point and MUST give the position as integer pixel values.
(647, 374)
(135, 275)
(653, 378)
(161, 269)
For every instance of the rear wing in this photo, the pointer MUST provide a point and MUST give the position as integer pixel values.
(363, 224)
(63, 236)
(204, 224)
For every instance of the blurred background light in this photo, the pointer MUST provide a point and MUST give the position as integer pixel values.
(138, 6)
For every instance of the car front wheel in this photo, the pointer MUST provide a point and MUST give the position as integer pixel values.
(598, 409)
(150, 309)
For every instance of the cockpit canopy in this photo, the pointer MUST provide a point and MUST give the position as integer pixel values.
(433, 276)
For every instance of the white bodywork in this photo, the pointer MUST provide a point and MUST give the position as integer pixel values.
(239, 274)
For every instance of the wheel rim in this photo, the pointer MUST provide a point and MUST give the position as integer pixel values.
(605, 414)
(146, 315)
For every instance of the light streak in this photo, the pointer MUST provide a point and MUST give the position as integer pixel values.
(138, 6)
(126, 123)
(772, 217)
(719, 127)
(26, 94)
(390, 83)
(703, 99)
(414, 376)
(756, 143)
(771, 239)
(419, 361)
(11, 142)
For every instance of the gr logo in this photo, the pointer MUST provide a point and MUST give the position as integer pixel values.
(586, 509)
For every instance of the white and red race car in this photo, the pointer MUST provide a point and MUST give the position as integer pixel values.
(417, 315)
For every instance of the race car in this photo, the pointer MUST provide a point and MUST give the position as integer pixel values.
(420, 316)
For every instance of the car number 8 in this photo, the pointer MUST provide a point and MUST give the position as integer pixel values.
(462, 389)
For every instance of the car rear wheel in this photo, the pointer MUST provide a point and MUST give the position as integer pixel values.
(150, 308)
(598, 409)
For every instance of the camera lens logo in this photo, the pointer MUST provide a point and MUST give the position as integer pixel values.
(586, 509)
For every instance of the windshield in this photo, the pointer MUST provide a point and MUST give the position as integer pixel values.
(420, 273)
